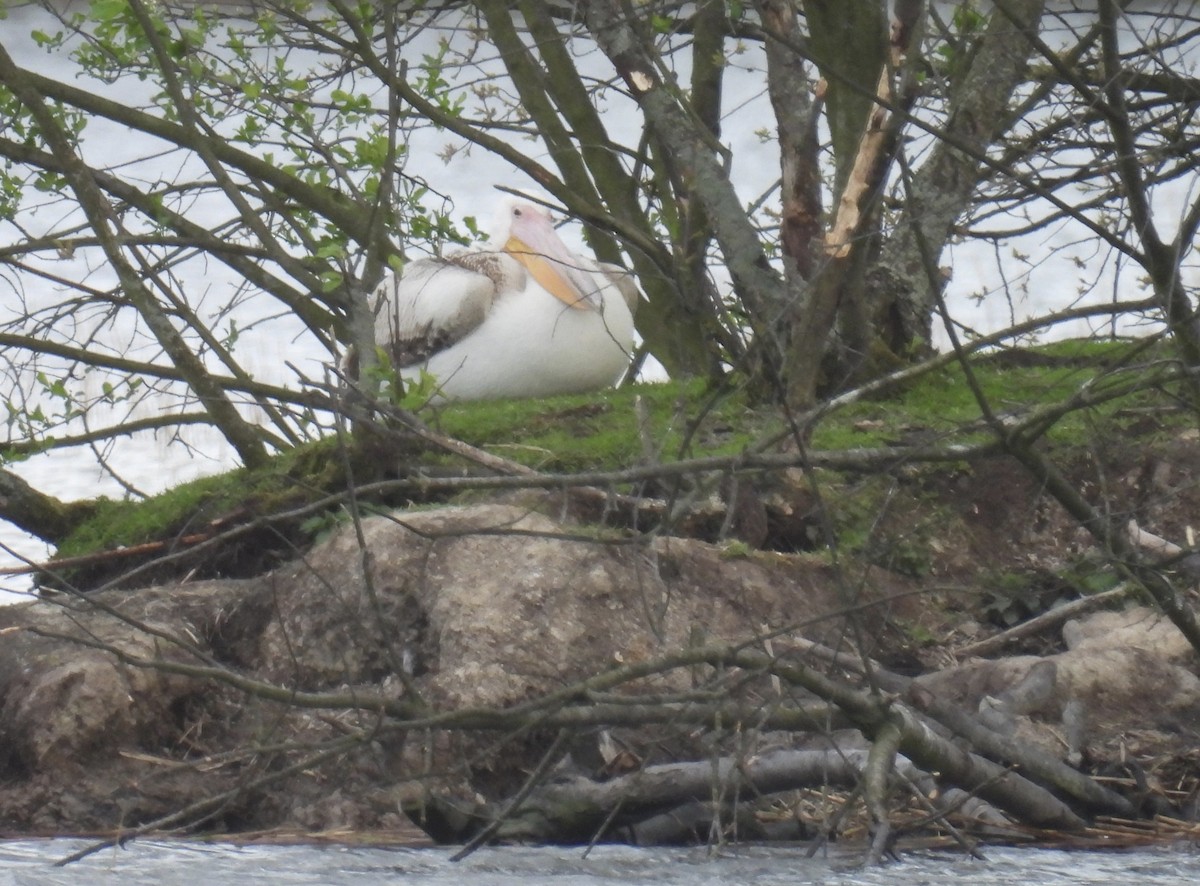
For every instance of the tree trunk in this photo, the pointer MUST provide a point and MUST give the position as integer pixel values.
(940, 191)
(45, 516)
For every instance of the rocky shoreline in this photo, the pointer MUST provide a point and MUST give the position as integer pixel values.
(426, 667)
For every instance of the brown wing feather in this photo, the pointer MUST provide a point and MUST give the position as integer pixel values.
(625, 282)
(411, 350)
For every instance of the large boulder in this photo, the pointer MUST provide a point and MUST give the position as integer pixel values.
(491, 603)
(481, 606)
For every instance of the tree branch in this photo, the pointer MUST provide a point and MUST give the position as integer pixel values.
(242, 435)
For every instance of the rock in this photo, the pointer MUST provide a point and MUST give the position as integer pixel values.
(479, 606)
(491, 603)
(62, 703)
(1129, 670)
(1137, 626)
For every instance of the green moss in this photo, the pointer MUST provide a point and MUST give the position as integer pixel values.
(126, 523)
(873, 520)
(735, 550)
(290, 479)
(611, 429)
(661, 423)
(916, 634)
(942, 406)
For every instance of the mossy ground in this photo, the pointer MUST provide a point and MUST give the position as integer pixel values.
(610, 429)
(187, 508)
(896, 518)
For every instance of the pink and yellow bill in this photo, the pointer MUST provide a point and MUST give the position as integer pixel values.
(550, 270)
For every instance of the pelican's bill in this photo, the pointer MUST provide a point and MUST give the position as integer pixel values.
(548, 274)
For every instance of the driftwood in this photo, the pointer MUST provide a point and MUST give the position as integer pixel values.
(751, 799)
(686, 801)
(633, 807)
(1054, 618)
(670, 803)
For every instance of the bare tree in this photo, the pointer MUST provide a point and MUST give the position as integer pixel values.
(296, 146)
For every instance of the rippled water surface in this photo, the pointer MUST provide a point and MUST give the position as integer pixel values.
(30, 863)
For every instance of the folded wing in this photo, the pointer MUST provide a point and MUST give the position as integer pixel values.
(437, 302)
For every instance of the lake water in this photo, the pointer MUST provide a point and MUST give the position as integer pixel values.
(29, 863)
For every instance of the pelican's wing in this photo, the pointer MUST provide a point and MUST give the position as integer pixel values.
(437, 302)
(625, 282)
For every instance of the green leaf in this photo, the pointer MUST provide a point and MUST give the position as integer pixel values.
(107, 10)
(47, 41)
(330, 281)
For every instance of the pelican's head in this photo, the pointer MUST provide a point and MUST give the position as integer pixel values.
(517, 214)
(527, 233)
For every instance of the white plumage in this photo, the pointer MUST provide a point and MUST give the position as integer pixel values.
(519, 316)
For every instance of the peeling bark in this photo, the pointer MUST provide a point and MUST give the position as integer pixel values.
(849, 45)
(796, 117)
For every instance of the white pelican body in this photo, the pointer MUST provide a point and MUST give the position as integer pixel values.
(520, 316)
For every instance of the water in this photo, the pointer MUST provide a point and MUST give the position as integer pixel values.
(30, 863)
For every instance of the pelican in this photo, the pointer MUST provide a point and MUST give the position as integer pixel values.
(519, 316)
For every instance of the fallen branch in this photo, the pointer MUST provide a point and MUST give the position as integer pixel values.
(48, 567)
(572, 811)
(1052, 618)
